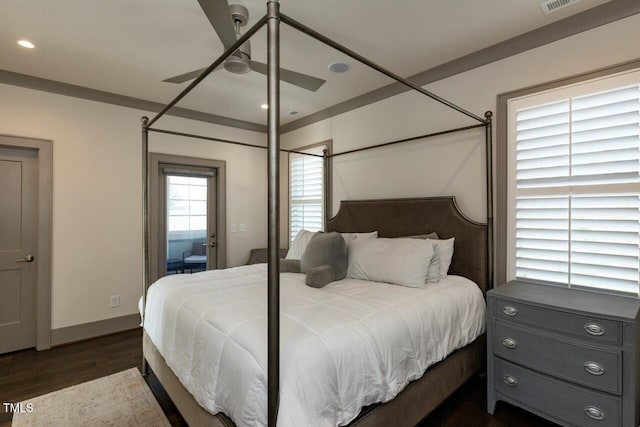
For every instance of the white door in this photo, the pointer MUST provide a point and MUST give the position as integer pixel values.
(18, 240)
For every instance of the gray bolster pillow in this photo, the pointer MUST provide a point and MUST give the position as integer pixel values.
(325, 259)
(289, 265)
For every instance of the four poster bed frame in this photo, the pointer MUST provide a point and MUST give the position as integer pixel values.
(392, 218)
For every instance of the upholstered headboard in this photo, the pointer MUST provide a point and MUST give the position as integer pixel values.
(406, 217)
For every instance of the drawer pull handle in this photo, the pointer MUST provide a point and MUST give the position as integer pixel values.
(594, 329)
(510, 381)
(509, 310)
(593, 368)
(509, 343)
(594, 413)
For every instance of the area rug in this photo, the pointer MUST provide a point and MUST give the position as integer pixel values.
(121, 399)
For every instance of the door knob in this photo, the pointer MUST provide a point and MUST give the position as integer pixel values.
(212, 244)
(28, 258)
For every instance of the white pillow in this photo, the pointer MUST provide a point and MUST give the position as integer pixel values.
(398, 261)
(350, 237)
(444, 252)
(434, 274)
(299, 244)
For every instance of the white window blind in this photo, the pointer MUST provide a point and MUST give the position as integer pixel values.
(306, 193)
(575, 187)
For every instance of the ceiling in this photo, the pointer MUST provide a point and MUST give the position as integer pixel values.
(128, 47)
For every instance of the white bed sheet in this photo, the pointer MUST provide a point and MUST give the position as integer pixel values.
(350, 344)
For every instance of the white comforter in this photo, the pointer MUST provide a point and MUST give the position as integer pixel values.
(347, 345)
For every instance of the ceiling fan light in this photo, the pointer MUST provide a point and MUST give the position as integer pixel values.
(237, 64)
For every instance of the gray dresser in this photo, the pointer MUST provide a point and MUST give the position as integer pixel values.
(567, 355)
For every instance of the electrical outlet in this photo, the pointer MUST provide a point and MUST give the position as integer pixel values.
(234, 228)
(115, 301)
(243, 227)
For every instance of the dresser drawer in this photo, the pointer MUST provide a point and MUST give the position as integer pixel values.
(592, 329)
(557, 398)
(583, 364)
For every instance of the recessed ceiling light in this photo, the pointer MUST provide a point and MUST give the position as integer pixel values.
(26, 43)
(264, 106)
(338, 67)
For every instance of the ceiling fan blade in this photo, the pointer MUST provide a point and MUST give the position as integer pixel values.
(297, 79)
(187, 76)
(217, 12)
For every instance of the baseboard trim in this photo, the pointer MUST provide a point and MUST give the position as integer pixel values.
(94, 329)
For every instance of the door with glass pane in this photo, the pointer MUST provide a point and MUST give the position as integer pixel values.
(188, 219)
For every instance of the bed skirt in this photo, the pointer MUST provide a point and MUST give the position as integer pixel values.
(409, 407)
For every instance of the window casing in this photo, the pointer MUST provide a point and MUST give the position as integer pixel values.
(306, 191)
(574, 185)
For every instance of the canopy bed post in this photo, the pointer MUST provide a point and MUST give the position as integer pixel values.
(489, 161)
(273, 171)
(145, 221)
(463, 364)
(326, 171)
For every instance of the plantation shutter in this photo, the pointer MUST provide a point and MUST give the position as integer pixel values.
(577, 188)
(306, 192)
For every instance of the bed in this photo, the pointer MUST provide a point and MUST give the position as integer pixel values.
(407, 398)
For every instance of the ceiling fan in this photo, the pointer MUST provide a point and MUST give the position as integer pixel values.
(226, 21)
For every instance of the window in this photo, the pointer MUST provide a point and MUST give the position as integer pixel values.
(574, 185)
(306, 191)
(187, 203)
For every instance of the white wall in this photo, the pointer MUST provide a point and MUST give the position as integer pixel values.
(455, 164)
(97, 196)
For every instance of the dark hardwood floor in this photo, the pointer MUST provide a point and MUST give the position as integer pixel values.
(29, 373)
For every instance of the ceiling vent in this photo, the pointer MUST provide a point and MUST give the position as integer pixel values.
(550, 6)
